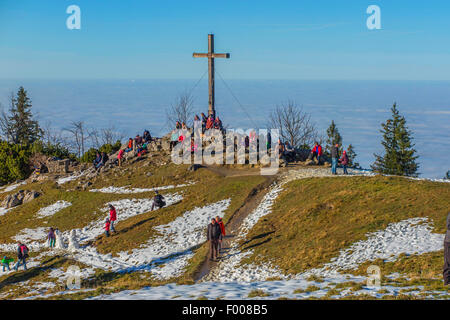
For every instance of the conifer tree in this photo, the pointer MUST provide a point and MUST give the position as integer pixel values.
(333, 137)
(18, 126)
(399, 154)
(351, 154)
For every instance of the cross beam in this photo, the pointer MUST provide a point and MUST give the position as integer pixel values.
(211, 55)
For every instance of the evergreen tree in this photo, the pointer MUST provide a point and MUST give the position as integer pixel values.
(19, 126)
(351, 154)
(399, 154)
(447, 175)
(333, 137)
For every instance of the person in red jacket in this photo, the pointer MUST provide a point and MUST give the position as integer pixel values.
(222, 230)
(112, 217)
(316, 152)
(344, 161)
(107, 227)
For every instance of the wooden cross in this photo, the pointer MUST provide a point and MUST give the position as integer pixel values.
(211, 55)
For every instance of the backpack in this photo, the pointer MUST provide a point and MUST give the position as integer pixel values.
(24, 250)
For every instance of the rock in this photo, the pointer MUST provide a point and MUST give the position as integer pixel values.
(58, 166)
(11, 201)
(30, 195)
(14, 200)
(194, 167)
(283, 163)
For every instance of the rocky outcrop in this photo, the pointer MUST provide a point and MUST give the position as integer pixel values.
(23, 196)
(58, 166)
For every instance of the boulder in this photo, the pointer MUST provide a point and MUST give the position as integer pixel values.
(30, 195)
(14, 200)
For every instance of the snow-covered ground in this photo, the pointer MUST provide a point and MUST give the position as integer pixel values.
(53, 208)
(165, 255)
(69, 178)
(12, 187)
(124, 190)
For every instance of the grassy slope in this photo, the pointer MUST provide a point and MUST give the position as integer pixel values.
(132, 232)
(313, 219)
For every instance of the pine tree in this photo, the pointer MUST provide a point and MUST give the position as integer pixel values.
(351, 154)
(21, 128)
(333, 137)
(399, 157)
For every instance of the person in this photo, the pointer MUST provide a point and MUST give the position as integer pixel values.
(344, 161)
(22, 255)
(222, 230)
(184, 126)
(209, 122)
(97, 161)
(316, 152)
(51, 238)
(214, 235)
(158, 201)
(194, 146)
(107, 227)
(105, 158)
(289, 151)
(5, 263)
(218, 124)
(146, 136)
(334, 158)
(138, 141)
(178, 125)
(174, 138)
(120, 156)
(447, 253)
(130, 145)
(204, 120)
(112, 217)
(281, 149)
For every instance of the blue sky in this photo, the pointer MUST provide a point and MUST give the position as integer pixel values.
(267, 39)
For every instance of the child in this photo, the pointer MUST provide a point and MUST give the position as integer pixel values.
(5, 263)
(107, 226)
(112, 217)
(51, 238)
(120, 156)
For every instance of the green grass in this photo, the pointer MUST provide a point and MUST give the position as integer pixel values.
(313, 219)
(258, 293)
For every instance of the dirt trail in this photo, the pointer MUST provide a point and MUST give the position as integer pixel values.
(235, 221)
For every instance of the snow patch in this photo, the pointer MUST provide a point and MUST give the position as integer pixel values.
(54, 208)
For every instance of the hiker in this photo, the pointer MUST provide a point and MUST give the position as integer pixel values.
(129, 145)
(178, 125)
(218, 124)
(184, 126)
(112, 217)
(344, 161)
(5, 263)
(214, 235)
(105, 158)
(289, 151)
(138, 141)
(316, 152)
(174, 138)
(146, 136)
(51, 238)
(107, 227)
(447, 253)
(209, 122)
(22, 255)
(222, 230)
(334, 158)
(281, 150)
(204, 120)
(158, 201)
(194, 146)
(97, 161)
(120, 156)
